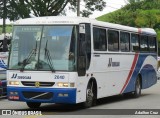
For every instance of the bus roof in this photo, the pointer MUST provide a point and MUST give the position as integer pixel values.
(52, 20)
(49, 20)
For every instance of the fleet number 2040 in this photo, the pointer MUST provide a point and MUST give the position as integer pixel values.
(59, 77)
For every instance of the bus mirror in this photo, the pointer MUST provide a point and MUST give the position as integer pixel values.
(81, 65)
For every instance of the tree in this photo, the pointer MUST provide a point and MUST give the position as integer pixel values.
(15, 9)
(92, 5)
(22, 8)
(147, 18)
(145, 13)
(132, 1)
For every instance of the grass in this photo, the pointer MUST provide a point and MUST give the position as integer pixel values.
(8, 29)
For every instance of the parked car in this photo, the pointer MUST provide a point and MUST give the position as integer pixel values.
(3, 87)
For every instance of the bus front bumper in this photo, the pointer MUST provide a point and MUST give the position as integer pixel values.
(43, 95)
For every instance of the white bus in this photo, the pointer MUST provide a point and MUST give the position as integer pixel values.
(78, 60)
(4, 47)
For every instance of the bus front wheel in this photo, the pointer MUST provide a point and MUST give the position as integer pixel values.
(33, 104)
(90, 95)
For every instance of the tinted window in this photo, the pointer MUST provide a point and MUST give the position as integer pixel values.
(124, 41)
(113, 40)
(99, 38)
(144, 43)
(135, 42)
(88, 43)
(152, 44)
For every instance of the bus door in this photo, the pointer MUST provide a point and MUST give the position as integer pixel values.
(84, 48)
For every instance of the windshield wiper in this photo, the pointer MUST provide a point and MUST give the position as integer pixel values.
(49, 58)
(26, 61)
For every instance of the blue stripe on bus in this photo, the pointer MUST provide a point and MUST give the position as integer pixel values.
(3, 65)
(148, 74)
(130, 72)
(71, 99)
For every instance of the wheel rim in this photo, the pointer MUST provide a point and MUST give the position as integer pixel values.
(138, 87)
(90, 94)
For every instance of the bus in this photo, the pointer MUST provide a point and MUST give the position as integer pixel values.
(74, 60)
(4, 48)
(4, 45)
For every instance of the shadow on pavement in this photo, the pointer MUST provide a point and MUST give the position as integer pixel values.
(78, 109)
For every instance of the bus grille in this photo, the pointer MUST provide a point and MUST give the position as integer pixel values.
(37, 95)
(41, 84)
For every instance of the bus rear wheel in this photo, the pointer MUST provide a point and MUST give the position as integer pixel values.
(33, 104)
(137, 91)
(90, 95)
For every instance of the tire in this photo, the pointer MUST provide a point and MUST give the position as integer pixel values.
(33, 104)
(137, 91)
(90, 96)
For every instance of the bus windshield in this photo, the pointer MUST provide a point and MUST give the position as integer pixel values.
(44, 48)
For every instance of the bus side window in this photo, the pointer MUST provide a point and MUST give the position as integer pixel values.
(144, 43)
(124, 41)
(99, 37)
(113, 40)
(135, 42)
(152, 44)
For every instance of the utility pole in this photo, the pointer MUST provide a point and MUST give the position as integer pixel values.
(4, 17)
(78, 7)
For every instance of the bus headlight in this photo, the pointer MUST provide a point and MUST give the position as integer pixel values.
(14, 83)
(64, 84)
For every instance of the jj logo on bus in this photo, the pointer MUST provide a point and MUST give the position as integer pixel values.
(113, 64)
(16, 76)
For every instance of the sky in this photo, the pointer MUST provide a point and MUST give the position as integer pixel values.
(111, 5)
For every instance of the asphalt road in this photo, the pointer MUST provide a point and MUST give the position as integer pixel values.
(150, 99)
